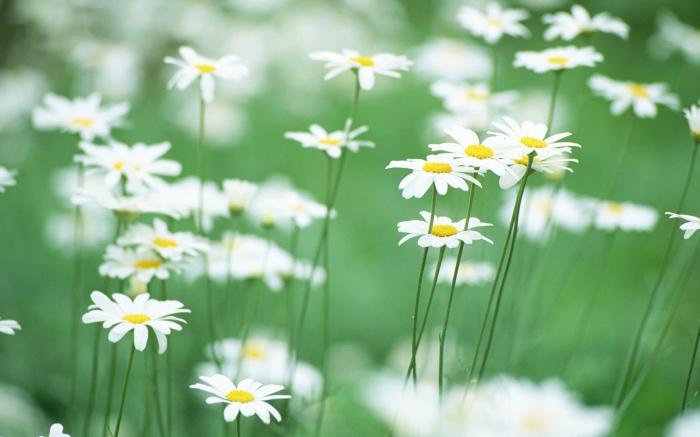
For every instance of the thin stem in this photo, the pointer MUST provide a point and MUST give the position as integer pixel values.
(689, 379)
(124, 390)
(168, 373)
(110, 388)
(93, 381)
(156, 391)
(74, 321)
(238, 427)
(553, 99)
(615, 174)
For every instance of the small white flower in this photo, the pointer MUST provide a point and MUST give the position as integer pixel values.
(549, 165)
(81, 115)
(171, 246)
(442, 171)
(122, 315)
(685, 425)
(692, 114)
(123, 263)
(676, 36)
(9, 327)
(557, 59)
(470, 272)
(624, 216)
(278, 203)
(195, 66)
(7, 178)
(568, 26)
(453, 60)
(330, 142)
(643, 98)
(494, 22)
(247, 398)
(182, 199)
(57, 431)
(471, 98)
(384, 64)
(239, 194)
(444, 231)
(691, 225)
(531, 137)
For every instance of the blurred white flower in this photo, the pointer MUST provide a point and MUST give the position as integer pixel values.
(625, 216)
(691, 225)
(643, 98)
(9, 327)
(470, 272)
(442, 171)
(96, 227)
(81, 115)
(330, 142)
(550, 165)
(130, 206)
(20, 89)
(692, 114)
(685, 425)
(493, 23)
(557, 59)
(471, 97)
(453, 60)
(7, 178)
(444, 231)
(384, 64)
(182, 198)
(123, 263)
(676, 36)
(57, 431)
(530, 137)
(239, 194)
(579, 22)
(171, 246)
(279, 204)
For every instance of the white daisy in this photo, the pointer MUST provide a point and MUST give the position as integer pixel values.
(450, 59)
(676, 36)
(643, 98)
(247, 398)
(123, 315)
(691, 225)
(121, 262)
(81, 115)
(440, 170)
(57, 431)
(444, 231)
(279, 204)
(685, 425)
(557, 59)
(579, 22)
(549, 165)
(330, 142)
(7, 178)
(692, 114)
(239, 194)
(470, 272)
(384, 64)
(625, 216)
(494, 22)
(171, 246)
(182, 197)
(130, 206)
(195, 66)
(471, 98)
(531, 137)
(9, 327)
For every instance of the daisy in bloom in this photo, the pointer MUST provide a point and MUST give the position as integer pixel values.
(691, 224)
(692, 115)
(610, 216)
(57, 431)
(239, 194)
(195, 66)
(384, 64)
(579, 22)
(643, 98)
(130, 206)
(471, 97)
(550, 165)
(494, 22)
(483, 156)
(122, 315)
(469, 273)
(140, 165)
(182, 198)
(685, 425)
(278, 203)
(557, 59)
(531, 137)
(330, 142)
(123, 263)
(444, 231)
(9, 327)
(247, 398)
(7, 178)
(171, 246)
(81, 115)
(438, 170)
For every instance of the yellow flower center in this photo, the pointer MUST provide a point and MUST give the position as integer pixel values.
(494, 22)
(253, 351)
(443, 230)
(638, 90)
(559, 60)
(479, 151)
(136, 319)
(329, 142)
(437, 167)
(615, 208)
(118, 165)
(84, 122)
(146, 264)
(205, 68)
(533, 421)
(164, 242)
(523, 160)
(535, 143)
(241, 396)
(364, 61)
(477, 95)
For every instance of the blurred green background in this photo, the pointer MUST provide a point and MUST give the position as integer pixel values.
(68, 47)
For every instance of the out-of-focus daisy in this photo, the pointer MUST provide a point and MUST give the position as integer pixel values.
(384, 64)
(9, 327)
(279, 204)
(557, 59)
(453, 60)
(493, 23)
(549, 165)
(444, 231)
(675, 36)
(568, 26)
(691, 225)
(7, 178)
(121, 262)
(625, 216)
(140, 165)
(182, 199)
(692, 114)
(247, 397)
(56, 430)
(643, 98)
(239, 194)
(471, 97)
(330, 142)
(123, 315)
(81, 115)
(129, 206)
(171, 246)
(483, 156)
(440, 170)
(531, 137)
(470, 272)
(685, 425)
(195, 66)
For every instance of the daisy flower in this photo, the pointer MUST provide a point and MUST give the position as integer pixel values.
(57, 431)
(330, 142)
(489, 155)
(531, 137)
(123, 263)
(469, 273)
(278, 203)
(676, 36)
(579, 22)
(384, 64)
(7, 178)
(451, 59)
(239, 194)
(471, 97)
(557, 59)
(171, 246)
(122, 315)
(691, 224)
(195, 66)
(131, 206)
(247, 398)
(438, 170)
(9, 327)
(550, 165)
(140, 165)
(692, 114)
(624, 216)
(444, 231)
(685, 425)
(643, 98)
(83, 116)
(494, 22)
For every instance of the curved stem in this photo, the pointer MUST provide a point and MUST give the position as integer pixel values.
(110, 388)
(124, 390)
(553, 98)
(689, 379)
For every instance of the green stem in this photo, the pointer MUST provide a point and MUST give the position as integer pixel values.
(553, 99)
(156, 391)
(124, 390)
(93, 382)
(74, 321)
(238, 426)
(689, 379)
(110, 389)
(168, 373)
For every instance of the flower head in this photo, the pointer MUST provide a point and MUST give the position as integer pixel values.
(57, 431)
(7, 178)
(557, 59)
(643, 98)
(195, 66)
(438, 170)
(122, 315)
(531, 137)
(624, 216)
(9, 327)
(331, 142)
(469, 151)
(144, 263)
(247, 397)
(239, 194)
(692, 114)
(471, 98)
(549, 165)
(493, 23)
(444, 232)
(568, 26)
(691, 225)
(170, 246)
(384, 64)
